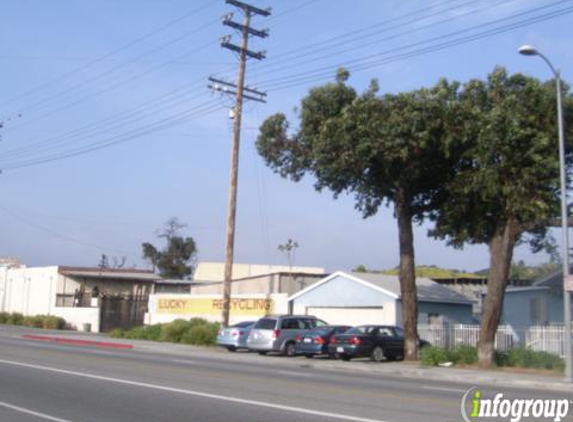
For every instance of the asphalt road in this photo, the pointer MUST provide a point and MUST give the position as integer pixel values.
(50, 382)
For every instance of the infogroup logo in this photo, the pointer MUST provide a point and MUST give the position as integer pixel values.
(475, 407)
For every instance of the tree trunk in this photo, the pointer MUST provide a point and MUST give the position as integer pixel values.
(501, 253)
(407, 277)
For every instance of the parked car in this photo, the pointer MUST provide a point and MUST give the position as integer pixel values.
(235, 336)
(378, 342)
(315, 341)
(277, 333)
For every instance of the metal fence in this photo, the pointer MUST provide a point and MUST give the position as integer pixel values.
(539, 338)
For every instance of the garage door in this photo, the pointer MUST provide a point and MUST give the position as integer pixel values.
(354, 316)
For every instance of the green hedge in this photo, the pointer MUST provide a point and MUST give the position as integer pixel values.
(196, 331)
(37, 321)
(518, 357)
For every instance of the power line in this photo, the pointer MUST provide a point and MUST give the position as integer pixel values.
(120, 84)
(363, 63)
(157, 126)
(61, 236)
(353, 48)
(110, 54)
(33, 148)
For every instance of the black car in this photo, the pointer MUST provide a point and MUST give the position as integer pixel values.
(315, 341)
(378, 342)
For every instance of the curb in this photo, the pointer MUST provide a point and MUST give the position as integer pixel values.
(486, 379)
(75, 342)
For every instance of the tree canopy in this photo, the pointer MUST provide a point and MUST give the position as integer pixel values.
(176, 260)
(383, 149)
(506, 188)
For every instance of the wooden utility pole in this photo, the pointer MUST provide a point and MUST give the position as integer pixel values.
(238, 90)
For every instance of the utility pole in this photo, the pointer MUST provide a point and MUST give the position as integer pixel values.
(238, 91)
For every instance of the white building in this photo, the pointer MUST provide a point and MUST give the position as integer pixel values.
(87, 298)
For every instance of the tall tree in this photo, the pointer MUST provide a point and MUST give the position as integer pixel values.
(506, 189)
(390, 148)
(176, 259)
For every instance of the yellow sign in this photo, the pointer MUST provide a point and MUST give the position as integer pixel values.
(203, 306)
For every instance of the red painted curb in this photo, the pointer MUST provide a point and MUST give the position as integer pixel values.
(64, 340)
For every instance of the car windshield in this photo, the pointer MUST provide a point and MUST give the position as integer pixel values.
(266, 324)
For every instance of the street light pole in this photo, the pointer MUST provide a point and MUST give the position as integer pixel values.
(528, 50)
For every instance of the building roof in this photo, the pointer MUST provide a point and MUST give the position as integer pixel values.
(108, 273)
(552, 280)
(428, 290)
(525, 289)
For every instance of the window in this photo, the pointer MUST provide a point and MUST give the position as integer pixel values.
(399, 332)
(266, 324)
(538, 310)
(385, 332)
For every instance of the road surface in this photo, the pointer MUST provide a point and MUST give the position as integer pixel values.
(50, 382)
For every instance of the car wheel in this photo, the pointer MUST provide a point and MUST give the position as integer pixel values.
(345, 358)
(290, 349)
(308, 355)
(377, 354)
(262, 353)
(231, 348)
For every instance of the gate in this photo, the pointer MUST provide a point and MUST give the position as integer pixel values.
(123, 312)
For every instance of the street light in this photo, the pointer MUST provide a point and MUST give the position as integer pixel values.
(528, 50)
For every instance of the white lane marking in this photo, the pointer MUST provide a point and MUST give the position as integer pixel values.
(192, 393)
(454, 390)
(31, 412)
(296, 374)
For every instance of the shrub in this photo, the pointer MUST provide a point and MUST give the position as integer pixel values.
(201, 335)
(15, 319)
(196, 331)
(465, 355)
(526, 358)
(433, 356)
(117, 333)
(175, 331)
(36, 321)
(153, 332)
(51, 322)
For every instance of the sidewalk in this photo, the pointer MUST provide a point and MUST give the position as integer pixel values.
(393, 369)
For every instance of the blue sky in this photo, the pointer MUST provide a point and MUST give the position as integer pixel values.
(126, 81)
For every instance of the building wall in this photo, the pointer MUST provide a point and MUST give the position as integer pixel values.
(266, 284)
(430, 312)
(167, 308)
(214, 271)
(517, 307)
(77, 318)
(343, 301)
(30, 291)
(385, 314)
